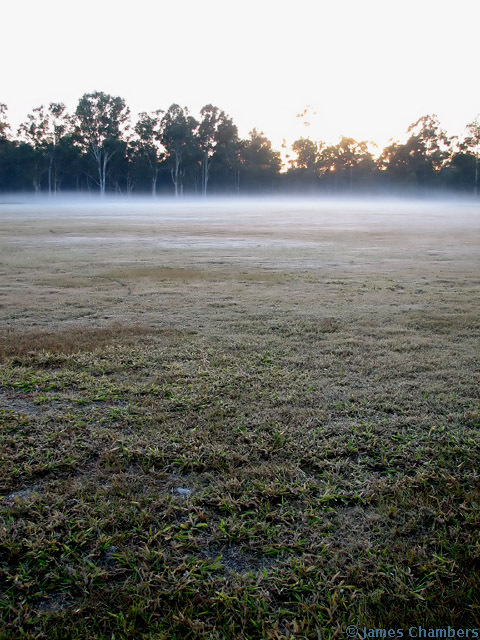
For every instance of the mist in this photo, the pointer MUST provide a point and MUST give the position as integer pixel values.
(263, 213)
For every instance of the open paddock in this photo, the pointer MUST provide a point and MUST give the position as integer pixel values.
(238, 419)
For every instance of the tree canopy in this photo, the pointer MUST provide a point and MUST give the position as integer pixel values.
(170, 151)
(101, 120)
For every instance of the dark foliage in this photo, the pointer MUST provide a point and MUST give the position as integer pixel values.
(97, 149)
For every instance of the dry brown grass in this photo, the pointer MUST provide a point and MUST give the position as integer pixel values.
(67, 341)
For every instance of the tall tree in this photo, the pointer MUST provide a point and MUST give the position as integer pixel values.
(432, 139)
(44, 129)
(395, 163)
(226, 159)
(208, 129)
(260, 162)
(148, 143)
(428, 147)
(420, 160)
(33, 132)
(304, 168)
(178, 137)
(306, 152)
(472, 141)
(102, 120)
(347, 164)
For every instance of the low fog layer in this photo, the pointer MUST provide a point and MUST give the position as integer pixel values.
(263, 213)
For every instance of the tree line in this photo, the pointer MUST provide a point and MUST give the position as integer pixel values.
(99, 149)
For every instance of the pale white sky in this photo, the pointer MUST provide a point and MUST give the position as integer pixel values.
(367, 67)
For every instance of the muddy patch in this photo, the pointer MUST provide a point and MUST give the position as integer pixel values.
(237, 559)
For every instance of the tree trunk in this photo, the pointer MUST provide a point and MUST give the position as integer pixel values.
(205, 169)
(104, 172)
(174, 180)
(475, 190)
(101, 157)
(97, 154)
(56, 181)
(154, 169)
(175, 172)
(50, 177)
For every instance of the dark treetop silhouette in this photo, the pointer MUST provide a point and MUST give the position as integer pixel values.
(98, 149)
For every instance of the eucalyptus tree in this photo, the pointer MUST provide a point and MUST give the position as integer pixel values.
(347, 163)
(303, 170)
(306, 154)
(472, 141)
(102, 121)
(121, 174)
(420, 160)
(178, 129)
(148, 143)
(34, 133)
(434, 141)
(215, 129)
(217, 138)
(428, 148)
(394, 163)
(261, 164)
(44, 129)
(226, 160)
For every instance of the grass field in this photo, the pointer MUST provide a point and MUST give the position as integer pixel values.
(250, 420)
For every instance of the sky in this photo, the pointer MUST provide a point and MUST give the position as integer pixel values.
(364, 68)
